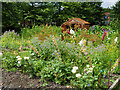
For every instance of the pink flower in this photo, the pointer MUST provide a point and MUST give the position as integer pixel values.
(86, 53)
(93, 41)
(68, 32)
(37, 52)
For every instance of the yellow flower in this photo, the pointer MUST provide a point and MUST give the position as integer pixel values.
(110, 45)
(104, 49)
(115, 65)
(97, 33)
(28, 41)
(35, 50)
(117, 62)
(84, 42)
(84, 50)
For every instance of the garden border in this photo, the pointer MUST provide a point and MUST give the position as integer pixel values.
(114, 84)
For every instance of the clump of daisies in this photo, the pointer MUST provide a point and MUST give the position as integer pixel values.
(75, 68)
(89, 69)
(19, 59)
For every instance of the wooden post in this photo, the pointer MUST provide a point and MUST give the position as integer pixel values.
(63, 29)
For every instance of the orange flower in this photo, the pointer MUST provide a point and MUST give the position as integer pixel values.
(15, 53)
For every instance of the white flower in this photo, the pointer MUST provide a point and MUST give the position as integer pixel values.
(78, 75)
(72, 32)
(115, 39)
(1, 54)
(32, 54)
(82, 42)
(18, 57)
(68, 86)
(93, 66)
(91, 69)
(88, 65)
(19, 62)
(73, 70)
(75, 67)
(26, 58)
(108, 38)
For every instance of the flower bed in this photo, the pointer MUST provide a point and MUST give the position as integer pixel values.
(82, 61)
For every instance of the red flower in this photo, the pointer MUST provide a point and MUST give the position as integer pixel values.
(68, 32)
(104, 34)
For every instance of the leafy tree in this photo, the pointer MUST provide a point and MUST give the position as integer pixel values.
(115, 12)
(115, 16)
(12, 15)
(17, 15)
(89, 11)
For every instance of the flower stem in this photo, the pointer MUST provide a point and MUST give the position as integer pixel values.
(109, 74)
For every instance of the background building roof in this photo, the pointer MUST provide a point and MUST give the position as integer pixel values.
(75, 21)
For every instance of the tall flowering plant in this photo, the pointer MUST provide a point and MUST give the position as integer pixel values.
(104, 34)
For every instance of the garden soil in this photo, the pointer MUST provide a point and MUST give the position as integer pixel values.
(19, 80)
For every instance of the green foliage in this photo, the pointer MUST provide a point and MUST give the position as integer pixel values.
(12, 15)
(57, 71)
(116, 10)
(42, 31)
(9, 40)
(17, 15)
(115, 21)
(89, 11)
(115, 24)
(12, 41)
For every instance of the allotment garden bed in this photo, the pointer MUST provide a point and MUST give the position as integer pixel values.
(87, 60)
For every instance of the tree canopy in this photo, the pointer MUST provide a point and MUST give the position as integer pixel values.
(115, 16)
(16, 15)
(115, 12)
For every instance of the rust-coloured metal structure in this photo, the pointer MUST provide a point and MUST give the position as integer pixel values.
(74, 23)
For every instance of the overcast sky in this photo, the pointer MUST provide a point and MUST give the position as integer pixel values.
(108, 3)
